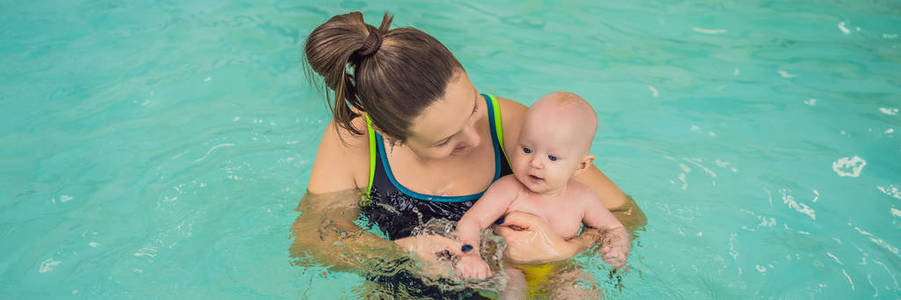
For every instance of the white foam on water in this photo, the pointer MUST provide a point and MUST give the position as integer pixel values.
(834, 258)
(890, 273)
(849, 166)
(785, 74)
(849, 279)
(889, 111)
(889, 131)
(876, 240)
(207, 79)
(811, 102)
(891, 191)
(720, 163)
(896, 212)
(48, 264)
(736, 72)
(654, 91)
(732, 251)
(697, 162)
(93, 244)
(709, 31)
(65, 198)
(889, 36)
(870, 279)
(213, 149)
(760, 268)
(816, 196)
(788, 199)
(766, 221)
(146, 251)
(845, 30)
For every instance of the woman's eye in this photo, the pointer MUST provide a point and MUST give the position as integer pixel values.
(526, 150)
(552, 158)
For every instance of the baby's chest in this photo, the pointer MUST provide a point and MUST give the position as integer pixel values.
(564, 219)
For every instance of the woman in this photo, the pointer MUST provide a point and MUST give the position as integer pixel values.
(413, 134)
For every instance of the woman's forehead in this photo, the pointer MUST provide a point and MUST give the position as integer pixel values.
(448, 115)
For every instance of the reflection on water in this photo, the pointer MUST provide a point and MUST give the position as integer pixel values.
(331, 232)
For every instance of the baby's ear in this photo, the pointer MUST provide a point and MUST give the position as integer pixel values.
(585, 164)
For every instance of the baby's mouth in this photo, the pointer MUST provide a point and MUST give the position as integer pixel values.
(535, 178)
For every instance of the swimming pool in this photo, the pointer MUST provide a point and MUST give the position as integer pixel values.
(157, 149)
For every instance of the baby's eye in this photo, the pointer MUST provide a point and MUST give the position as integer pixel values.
(552, 157)
(526, 150)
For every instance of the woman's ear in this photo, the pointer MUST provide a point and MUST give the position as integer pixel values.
(585, 164)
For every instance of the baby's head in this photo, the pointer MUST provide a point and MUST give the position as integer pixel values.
(554, 143)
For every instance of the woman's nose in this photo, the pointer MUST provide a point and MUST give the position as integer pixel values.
(472, 136)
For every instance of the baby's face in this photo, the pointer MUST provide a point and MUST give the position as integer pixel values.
(549, 152)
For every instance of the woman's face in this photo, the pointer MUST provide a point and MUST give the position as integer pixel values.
(448, 126)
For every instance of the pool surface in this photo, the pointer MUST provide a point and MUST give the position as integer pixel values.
(157, 149)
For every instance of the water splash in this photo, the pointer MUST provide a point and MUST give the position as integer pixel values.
(48, 265)
(491, 248)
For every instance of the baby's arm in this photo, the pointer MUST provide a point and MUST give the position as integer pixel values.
(616, 240)
(491, 206)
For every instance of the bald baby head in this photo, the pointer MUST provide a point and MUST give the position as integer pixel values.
(567, 116)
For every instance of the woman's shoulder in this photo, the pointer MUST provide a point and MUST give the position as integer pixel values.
(342, 162)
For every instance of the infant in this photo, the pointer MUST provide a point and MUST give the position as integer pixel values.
(553, 148)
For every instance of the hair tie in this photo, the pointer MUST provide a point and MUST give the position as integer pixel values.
(371, 44)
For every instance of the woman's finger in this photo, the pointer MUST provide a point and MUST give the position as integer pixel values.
(521, 221)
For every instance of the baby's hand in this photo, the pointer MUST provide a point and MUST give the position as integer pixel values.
(616, 248)
(472, 267)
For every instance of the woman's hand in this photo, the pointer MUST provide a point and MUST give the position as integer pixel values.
(435, 251)
(531, 241)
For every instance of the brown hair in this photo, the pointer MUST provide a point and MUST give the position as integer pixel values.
(407, 71)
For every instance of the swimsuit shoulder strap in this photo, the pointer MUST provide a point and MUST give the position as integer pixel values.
(372, 153)
(497, 133)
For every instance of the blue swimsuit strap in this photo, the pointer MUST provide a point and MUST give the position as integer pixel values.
(497, 163)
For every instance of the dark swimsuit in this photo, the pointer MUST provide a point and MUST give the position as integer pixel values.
(396, 210)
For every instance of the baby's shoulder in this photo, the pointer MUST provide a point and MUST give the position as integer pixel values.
(507, 184)
(581, 192)
(506, 180)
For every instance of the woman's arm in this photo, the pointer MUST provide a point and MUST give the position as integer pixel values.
(324, 232)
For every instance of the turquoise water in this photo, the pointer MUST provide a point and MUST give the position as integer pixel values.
(157, 149)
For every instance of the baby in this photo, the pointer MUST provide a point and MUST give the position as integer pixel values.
(553, 147)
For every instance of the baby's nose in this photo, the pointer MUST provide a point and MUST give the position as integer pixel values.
(536, 162)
